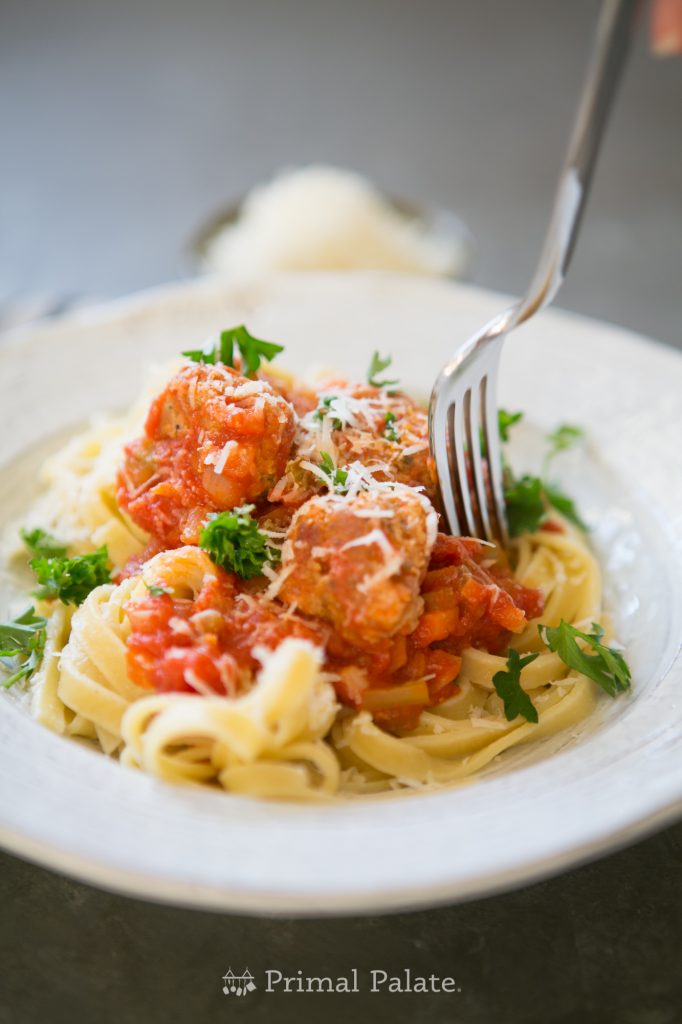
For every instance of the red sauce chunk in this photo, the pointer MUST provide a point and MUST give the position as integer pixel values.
(206, 645)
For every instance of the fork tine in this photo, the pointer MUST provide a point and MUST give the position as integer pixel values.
(444, 457)
(451, 476)
(494, 455)
(459, 471)
(485, 527)
(466, 449)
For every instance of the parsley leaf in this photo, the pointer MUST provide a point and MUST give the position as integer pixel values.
(563, 504)
(378, 365)
(23, 640)
(527, 497)
(390, 433)
(565, 436)
(213, 352)
(508, 687)
(156, 591)
(234, 542)
(337, 477)
(505, 420)
(71, 579)
(607, 667)
(42, 543)
(524, 500)
(252, 350)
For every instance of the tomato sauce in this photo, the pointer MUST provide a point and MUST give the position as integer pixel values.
(185, 466)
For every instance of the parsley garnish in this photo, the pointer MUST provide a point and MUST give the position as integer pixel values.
(563, 504)
(524, 500)
(390, 433)
(337, 477)
(527, 497)
(562, 438)
(42, 543)
(71, 579)
(323, 409)
(156, 591)
(23, 640)
(378, 365)
(607, 667)
(508, 686)
(252, 350)
(505, 420)
(234, 542)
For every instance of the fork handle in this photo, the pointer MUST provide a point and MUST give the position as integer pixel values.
(614, 33)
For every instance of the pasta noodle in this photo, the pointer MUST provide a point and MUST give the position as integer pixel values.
(330, 644)
(267, 743)
(79, 503)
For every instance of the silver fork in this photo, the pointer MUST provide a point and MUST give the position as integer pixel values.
(463, 412)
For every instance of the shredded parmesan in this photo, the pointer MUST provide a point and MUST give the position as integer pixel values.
(373, 537)
(276, 579)
(250, 387)
(219, 462)
(374, 513)
(389, 569)
(393, 560)
(414, 448)
(318, 472)
(491, 724)
(179, 625)
(207, 619)
(320, 552)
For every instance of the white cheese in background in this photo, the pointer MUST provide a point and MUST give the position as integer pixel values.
(323, 218)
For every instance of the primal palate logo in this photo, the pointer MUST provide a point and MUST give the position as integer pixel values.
(404, 981)
(238, 984)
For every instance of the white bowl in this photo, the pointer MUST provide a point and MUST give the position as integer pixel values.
(612, 780)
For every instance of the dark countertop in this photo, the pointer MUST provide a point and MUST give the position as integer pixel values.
(598, 944)
(124, 126)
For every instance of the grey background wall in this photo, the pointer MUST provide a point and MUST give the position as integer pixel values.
(124, 125)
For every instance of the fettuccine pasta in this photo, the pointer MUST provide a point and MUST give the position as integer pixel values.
(250, 587)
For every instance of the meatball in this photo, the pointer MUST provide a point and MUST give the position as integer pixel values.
(357, 422)
(358, 562)
(213, 440)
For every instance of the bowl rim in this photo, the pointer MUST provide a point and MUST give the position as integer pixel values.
(657, 803)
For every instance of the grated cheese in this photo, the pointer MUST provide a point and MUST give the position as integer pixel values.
(373, 513)
(318, 472)
(393, 560)
(179, 625)
(248, 388)
(414, 448)
(276, 579)
(375, 536)
(219, 464)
